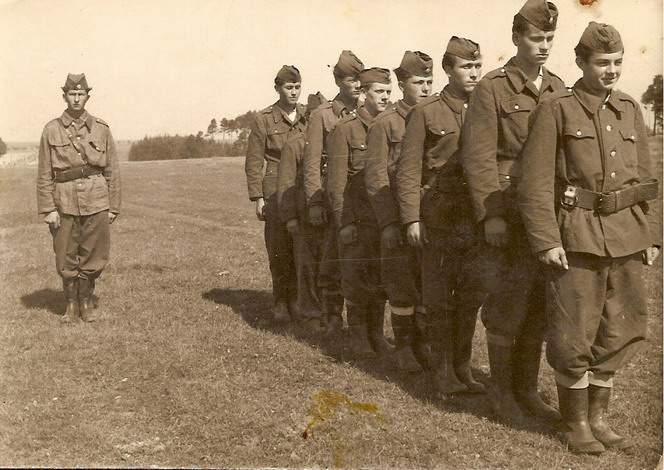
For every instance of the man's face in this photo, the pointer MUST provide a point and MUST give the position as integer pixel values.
(376, 97)
(533, 45)
(601, 71)
(349, 87)
(289, 92)
(76, 99)
(416, 88)
(465, 74)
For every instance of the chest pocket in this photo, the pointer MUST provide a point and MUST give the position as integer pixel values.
(96, 152)
(358, 150)
(63, 149)
(514, 113)
(276, 137)
(446, 144)
(628, 147)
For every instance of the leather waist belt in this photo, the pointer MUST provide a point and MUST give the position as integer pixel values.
(609, 202)
(62, 176)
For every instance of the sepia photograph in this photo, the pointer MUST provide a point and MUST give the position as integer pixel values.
(331, 234)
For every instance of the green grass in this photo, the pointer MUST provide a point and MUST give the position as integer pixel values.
(185, 369)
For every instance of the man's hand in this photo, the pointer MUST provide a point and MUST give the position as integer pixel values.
(416, 234)
(348, 234)
(650, 255)
(293, 227)
(52, 219)
(260, 208)
(391, 237)
(111, 217)
(554, 257)
(495, 231)
(317, 215)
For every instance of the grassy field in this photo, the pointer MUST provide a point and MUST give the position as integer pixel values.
(185, 369)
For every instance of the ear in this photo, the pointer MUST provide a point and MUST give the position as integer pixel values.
(515, 39)
(276, 88)
(400, 86)
(579, 62)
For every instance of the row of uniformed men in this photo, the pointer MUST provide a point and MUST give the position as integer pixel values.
(435, 203)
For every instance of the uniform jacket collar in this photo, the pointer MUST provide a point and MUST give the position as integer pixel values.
(67, 119)
(364, 116)
(403, 108)
(454, 103)
(592, 102)
(279, 114)
(338, 106)
(519, 80)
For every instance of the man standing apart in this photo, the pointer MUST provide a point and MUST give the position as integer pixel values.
(400, 266)
(494, 131)
(359, 237)
(273, 126)
(441, 223)
(78, 193)
(316, 150)
(587, 180)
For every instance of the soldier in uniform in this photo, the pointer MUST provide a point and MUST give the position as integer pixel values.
(321, 123)
(78, 193)
(587, 180)
(359, 236)
(308, 239)
(441, 224)
(495, 128)
(273, 126)
(400, 266)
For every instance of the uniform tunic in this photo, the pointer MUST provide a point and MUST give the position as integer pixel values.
(82, 242)
(597, 309)
(269, 133)
(349, 204)
(400, 268)
(494, 131)
(321, 123)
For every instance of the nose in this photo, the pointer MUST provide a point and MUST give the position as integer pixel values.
(612, 68)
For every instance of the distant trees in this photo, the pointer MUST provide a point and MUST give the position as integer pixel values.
(235, 131)
(653, 97)
(3, 147)
(167, 147)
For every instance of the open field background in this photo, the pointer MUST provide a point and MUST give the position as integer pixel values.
(185, 368)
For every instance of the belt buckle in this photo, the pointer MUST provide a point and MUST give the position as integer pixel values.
(570, 196)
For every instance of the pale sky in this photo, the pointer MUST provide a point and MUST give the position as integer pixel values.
(169, 66)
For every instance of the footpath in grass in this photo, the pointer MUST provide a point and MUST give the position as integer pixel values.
(185, 368)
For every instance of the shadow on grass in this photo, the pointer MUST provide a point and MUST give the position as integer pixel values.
(49, 299)
(254, 308)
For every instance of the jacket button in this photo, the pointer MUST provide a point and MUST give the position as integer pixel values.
(578, 132)
(613, 174)
(507, 177)
(516, 106)
(442, 132)
(609, 127)
(465, 105)
(613, 153)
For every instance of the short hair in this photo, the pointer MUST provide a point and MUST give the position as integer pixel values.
(583, 52)
(280, 81)
(519, 24)
(449, 60)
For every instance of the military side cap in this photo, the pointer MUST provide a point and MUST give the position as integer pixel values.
(540, 13)
(288, 73)
(464, 48)
(414, 64)
(348, 65)
(76, 81)
(375, 75)
(600, 37)
(314, 101)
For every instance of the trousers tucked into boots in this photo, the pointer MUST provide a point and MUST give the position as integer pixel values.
(578, 434)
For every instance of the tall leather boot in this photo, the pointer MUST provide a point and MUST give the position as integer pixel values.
(405, 333)
(85, 300)
(444, 377)
(578, 434)
(464, 330)
(598, 398)
(525, 370)
(501, 395)
(70, 288)
(376, 323)
(358, 334)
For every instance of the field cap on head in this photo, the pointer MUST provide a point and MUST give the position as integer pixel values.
(541, 14)
(414, 64)
(375, 75)
(348, 65)
(464, 48)
(288, 73)
(314, 101)
(76, 81)
(601, 37)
